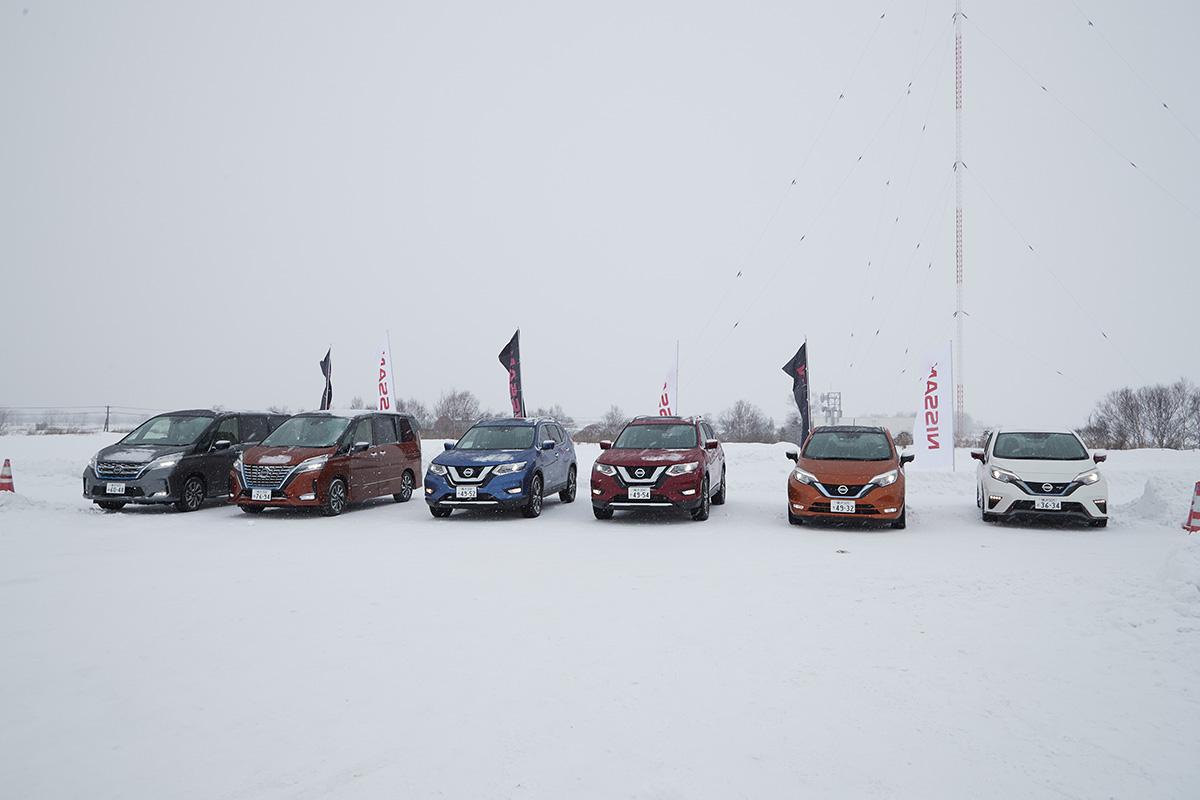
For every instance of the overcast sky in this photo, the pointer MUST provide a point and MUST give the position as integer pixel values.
(196, 200)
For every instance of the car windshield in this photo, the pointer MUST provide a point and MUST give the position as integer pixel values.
(848, 446)
(169, 431)
(308, 432)
(656, 436)
(1040, 446)
(497, 437)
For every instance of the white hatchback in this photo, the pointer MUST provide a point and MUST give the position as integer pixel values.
(1040, 473)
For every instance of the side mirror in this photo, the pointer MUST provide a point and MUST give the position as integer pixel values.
(792, 455)
(1100, 457)
(222, 444)
(449, 445)
(359, 447)
(711, 444)
(977, 455)
(548, 444)
(907, 458)
(605, 444)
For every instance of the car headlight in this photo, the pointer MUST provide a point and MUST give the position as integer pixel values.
(164, 462)
(683, 469)
(886, 478)
(311, 464)
(509, 468)
(237, 463)
(804, 476)
(1088, 477)
(92, 463)
(605, 469)
(1003, 475)
(437, 469)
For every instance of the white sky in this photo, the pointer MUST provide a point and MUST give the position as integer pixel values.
(196, 200)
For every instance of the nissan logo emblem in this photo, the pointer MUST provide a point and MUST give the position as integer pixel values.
(843, 489)
(639, 472)
(1047, 487)
(468, 472)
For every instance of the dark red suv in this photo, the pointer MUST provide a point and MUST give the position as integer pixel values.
(657, 463)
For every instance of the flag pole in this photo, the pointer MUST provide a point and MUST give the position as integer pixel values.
(677, 376)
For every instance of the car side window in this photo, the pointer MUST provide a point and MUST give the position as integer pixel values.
(362, 432)
(385, 429)
(554, 433)
(560, 434)
(227, 430)
(405, 429)
(707, 430)
(254, 429)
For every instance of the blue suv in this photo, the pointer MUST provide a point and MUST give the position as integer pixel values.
(503, 463)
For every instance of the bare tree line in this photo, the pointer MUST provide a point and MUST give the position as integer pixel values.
(1163, 416)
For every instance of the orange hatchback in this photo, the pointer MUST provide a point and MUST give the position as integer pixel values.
(847, 472)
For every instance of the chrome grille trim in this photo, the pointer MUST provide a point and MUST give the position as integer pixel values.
(456, 477)
(266, 476)
(117, 470)
(652, 477)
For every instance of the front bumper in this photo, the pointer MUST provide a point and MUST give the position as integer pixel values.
(497, 492)
(884, 503)
(153, 486)
(1087, 503)
(671, 491)
(304, 490)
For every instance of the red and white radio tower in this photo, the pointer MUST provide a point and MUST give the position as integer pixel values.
(959, 403)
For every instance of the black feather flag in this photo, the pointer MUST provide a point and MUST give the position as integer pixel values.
(797, 368)
(510, 358)
(327, 371)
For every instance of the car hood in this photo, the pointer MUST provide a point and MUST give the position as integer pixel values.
(853, 472)
(632, 458)
(1028, 469)
(282, 456)
(138, 453)
(470, 458)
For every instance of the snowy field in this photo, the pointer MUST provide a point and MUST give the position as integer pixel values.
(386, 654)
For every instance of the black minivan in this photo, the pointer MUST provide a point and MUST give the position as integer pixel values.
(182, 458)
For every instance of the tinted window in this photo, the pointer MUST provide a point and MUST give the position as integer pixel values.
(363, 432)
(552, 433)
(169, 430)
(385, 430)
(497, 437)
(308, 432)
(848, 446)
(657, 437)
(560, 436)
(407, 434)
(254, 429)
(1040, 446)
(707, 430)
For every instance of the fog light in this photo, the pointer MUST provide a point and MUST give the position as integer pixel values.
(688, 492)
(994, 500)
(797, 506)
(1101, 504)
(890, 510)
(514, 490)
(595, 491)
(159, 494)
(308, 497)
(428, 490)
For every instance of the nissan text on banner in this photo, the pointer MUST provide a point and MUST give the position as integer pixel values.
(510, 357)
(933, 430)
(670, 388)
(797, 369)
(327, 371)
(387, 386)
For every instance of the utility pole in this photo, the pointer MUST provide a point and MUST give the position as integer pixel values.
(959, 400)
(107, 412)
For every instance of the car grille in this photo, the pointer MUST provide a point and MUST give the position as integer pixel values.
(118, 470)
(1040, 488)
(264, 476)
(852, 489)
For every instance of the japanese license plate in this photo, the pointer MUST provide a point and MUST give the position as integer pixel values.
(466, 492)
(260, 494)
(639, 492)
(114, 488)
(1047, 504)
(841, 506)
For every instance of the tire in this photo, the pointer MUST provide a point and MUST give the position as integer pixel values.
(719, 497)
(252, 509)
(602, 513)
(335, 498)
(794, 520)
(701, 512)
(440, 513)
(901, 522)
(406, 488)
(191, 497)
(567, 495)
(533, 508)
(1099, 523)
(111, 505)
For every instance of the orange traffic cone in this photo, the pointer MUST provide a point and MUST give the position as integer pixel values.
(1192, 525)
(6, 482)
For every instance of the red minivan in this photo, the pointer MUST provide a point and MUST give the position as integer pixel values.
(328, 459)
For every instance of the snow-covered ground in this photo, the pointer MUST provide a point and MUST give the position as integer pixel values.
(151, 654)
